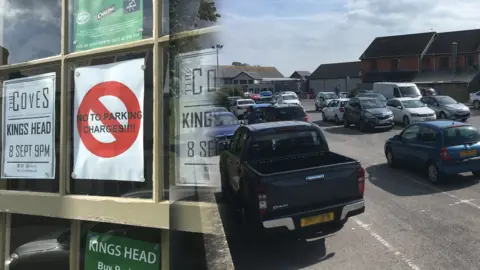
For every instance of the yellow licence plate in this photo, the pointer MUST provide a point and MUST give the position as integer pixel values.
(316, 219)
(468, 153)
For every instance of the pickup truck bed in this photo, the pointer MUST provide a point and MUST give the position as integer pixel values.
(307, 161)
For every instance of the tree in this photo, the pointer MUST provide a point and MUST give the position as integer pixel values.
(240, 64)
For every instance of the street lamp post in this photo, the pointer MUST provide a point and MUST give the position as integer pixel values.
(217, 47)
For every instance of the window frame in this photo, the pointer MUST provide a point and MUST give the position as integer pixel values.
(78, 208)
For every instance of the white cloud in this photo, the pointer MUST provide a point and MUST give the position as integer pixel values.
(340, 32)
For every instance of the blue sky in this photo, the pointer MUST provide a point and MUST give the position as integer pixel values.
(302, 34)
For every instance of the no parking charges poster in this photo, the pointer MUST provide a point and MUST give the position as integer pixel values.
(108, 116)
(28, 127)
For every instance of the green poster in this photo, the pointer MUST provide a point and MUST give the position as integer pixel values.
(107, 252)
(106, 22)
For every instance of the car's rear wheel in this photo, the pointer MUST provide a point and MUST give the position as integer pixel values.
(442, 115)
(390, 158)
(337, 120)
(406, 121)
(476, 104)
(434, 174)
(361, 125)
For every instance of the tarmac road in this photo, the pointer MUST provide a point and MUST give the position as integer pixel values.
(408, 223)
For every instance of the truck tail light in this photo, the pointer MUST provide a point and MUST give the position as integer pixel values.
(262, 199)
(444, 155)
(342, 109)
(361, 180)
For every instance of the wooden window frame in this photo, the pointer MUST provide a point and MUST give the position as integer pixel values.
(78, 208)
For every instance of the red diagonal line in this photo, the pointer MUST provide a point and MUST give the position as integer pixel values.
(99, 108)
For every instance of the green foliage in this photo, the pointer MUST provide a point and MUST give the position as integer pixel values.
(224, 93)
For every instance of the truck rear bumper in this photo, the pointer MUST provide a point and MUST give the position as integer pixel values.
(341, 212)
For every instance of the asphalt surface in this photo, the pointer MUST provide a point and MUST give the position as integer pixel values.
(408, 223)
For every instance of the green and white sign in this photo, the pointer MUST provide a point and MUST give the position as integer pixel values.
(106, 22)
(107, 252)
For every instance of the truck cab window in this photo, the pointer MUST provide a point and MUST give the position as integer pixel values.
(396, 92)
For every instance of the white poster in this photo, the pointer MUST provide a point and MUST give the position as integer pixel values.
(108, 116)
(28, 123)
(197, 153)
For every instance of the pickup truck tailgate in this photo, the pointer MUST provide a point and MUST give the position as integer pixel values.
(305, 189)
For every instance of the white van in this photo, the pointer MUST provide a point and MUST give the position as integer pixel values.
(397, 90)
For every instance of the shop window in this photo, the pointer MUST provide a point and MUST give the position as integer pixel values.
(38, 243)
(193, 155)
(30, 29)
(243, 81)
(96, 24)
(111, 132)
(115, 246)
(250, 81)
(31, 129)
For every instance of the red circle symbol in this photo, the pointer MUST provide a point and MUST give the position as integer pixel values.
(91, 102)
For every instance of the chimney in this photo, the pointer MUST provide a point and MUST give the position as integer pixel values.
(454, 56)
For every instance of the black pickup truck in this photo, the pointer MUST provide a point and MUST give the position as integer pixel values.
(283, 175)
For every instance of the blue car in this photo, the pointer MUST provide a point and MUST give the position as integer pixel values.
(256, 113)
(224, 126)
(441, 148)
(266, 94)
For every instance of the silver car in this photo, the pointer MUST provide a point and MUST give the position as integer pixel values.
(323, 98)
(446, 107)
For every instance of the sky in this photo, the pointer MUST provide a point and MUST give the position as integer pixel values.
(303, 34)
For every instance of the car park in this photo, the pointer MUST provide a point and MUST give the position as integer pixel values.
(289, 99)
(224, 125)
(446, 107)
(440, 148)
(323, 98)
(334, 110)
(395, 90)
(367, 113)
(240, 106)
(410, 110)
(286, 112)
(284, 176)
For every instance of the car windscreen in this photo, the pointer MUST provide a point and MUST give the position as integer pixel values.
(289, 113)
(413, 104)
(278, 144)
(330, 96)
(460, 135)
(224, 120)
(409, 91)
(245, 102)
(289, 97)
(446, 100)
(372, 104)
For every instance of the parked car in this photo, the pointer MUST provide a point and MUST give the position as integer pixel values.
(343, 95)
(446, 107)
(323, 98)
(266, 94)
(217, 109)
(373, 95)
(240, 107)
(255, 96)
(283, 175)
(367, 113)
(288, 93)
(440, 148)
(410, 110)
(289, 99)
(223, 127)
(427, 91)
(232, 100)
(475, 100)
(335, 110)
(395, 90)
(286, 112)
(266, 100)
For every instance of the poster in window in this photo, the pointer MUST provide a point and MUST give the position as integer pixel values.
(107, 22)
(28, 123)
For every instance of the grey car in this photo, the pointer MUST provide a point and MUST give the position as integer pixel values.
(446, 107)
(365, 112)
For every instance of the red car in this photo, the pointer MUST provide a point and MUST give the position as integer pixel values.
(255, 97)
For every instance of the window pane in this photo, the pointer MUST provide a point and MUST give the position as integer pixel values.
(30, 29)
(192, 14)
(192, 136)
(115, 246)
(106, 153)
(96, 24)
(33, 154)
(39, 243)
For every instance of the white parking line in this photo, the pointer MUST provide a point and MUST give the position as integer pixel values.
(389, 247)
